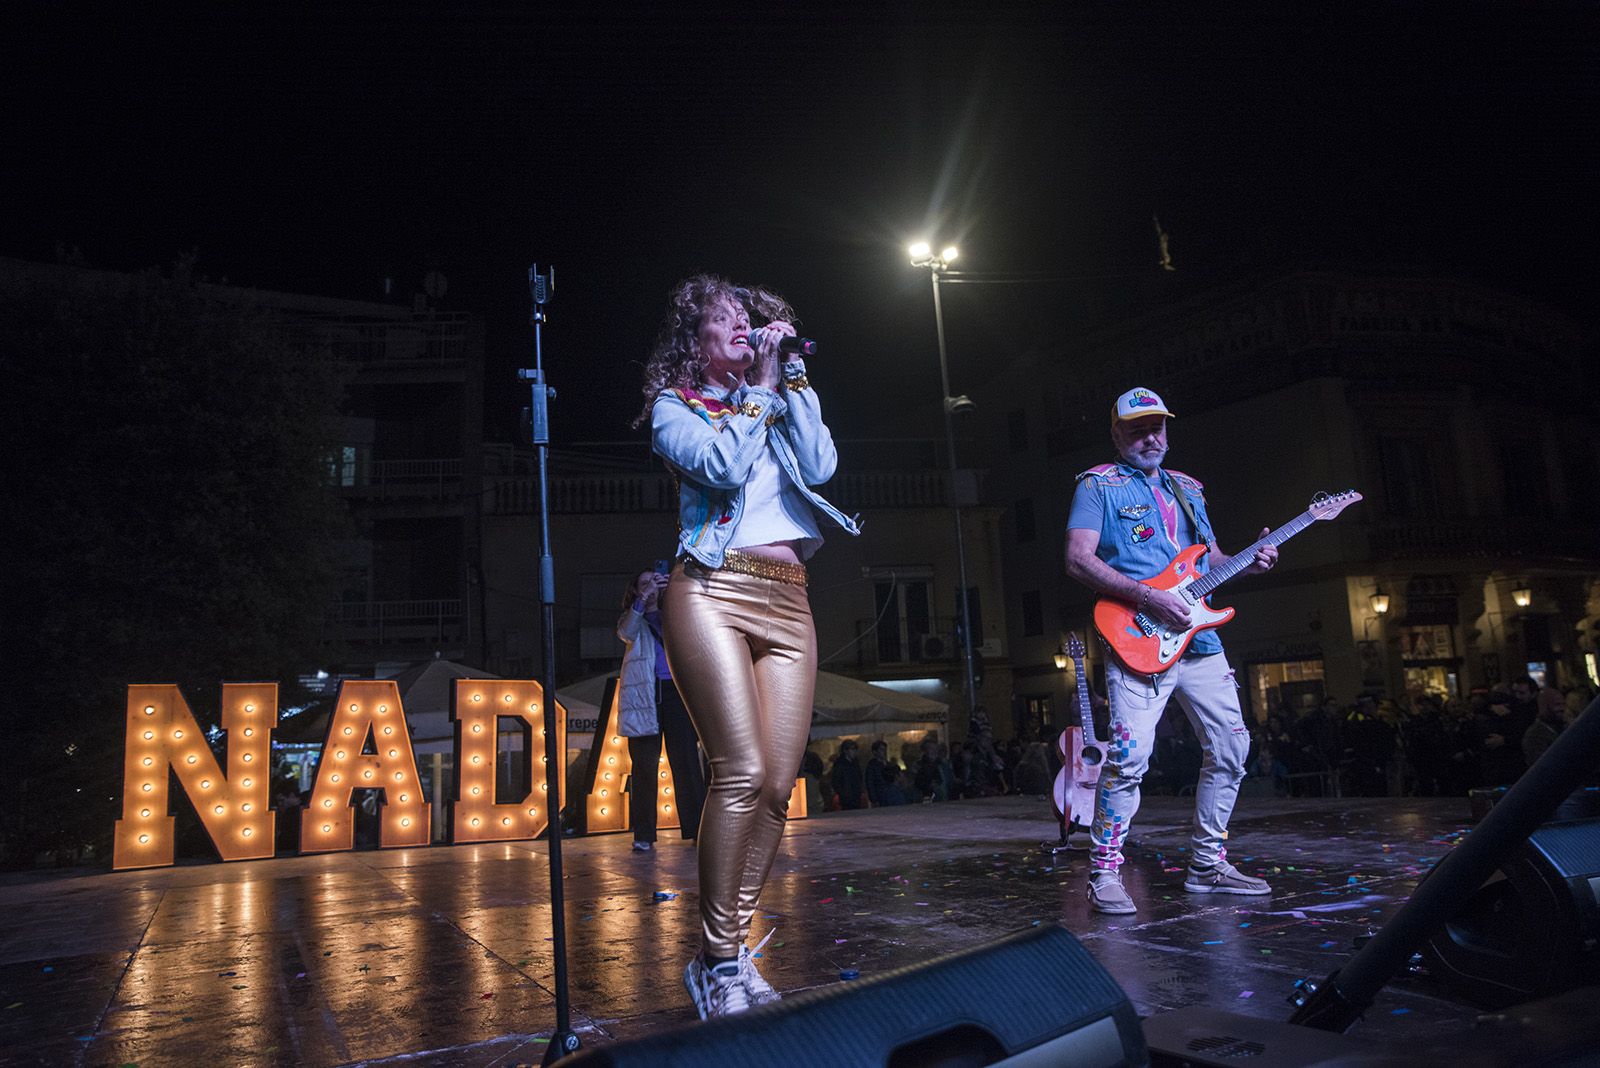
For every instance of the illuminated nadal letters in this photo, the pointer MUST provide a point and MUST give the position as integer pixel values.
(235, 809)
(608, 803)
(477, 707)
(608, 806)
(365, 711)
(368, 747)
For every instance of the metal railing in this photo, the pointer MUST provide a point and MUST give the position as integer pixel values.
(411, 478)
(384, 620)
(590, 494)
(440, 340)
(1481, 537)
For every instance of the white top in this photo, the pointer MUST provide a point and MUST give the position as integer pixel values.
(774, 510)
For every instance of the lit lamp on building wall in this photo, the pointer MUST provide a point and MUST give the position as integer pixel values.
(1061, 661)
(1378, 601)
(1522, 597)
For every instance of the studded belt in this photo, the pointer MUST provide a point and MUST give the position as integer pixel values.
(760, 566)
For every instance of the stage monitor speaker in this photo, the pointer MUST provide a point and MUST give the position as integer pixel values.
(1032, 999)
(1533, 929)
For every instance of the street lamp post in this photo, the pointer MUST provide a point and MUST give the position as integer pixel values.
(922, 255)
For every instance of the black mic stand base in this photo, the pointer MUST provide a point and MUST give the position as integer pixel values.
(562, 1044)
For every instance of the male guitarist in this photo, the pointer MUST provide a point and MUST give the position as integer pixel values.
(1128, 521)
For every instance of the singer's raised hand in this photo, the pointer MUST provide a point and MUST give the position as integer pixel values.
(764, 372)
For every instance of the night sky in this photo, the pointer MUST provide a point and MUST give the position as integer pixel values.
(319, 148)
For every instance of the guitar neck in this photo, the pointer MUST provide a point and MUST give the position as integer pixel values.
(1085, 712)
(1246, 556)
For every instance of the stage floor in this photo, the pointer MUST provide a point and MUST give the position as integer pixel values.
(442, 955)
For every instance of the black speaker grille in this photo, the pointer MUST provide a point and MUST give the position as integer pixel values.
(1573, 848)
(1024, 990)
(1226, 1046)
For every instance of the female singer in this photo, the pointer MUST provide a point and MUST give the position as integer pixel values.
(740, 426)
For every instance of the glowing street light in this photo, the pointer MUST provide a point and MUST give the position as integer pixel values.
(922, 256)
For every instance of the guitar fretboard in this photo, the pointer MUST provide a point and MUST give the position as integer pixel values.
(1085, 712)
(1245, 557)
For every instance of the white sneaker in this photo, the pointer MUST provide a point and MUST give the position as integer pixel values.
(718, 991)
(761, 991)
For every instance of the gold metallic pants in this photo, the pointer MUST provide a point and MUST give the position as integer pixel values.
(744, 653)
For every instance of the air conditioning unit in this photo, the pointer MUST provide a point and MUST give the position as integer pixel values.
(935, 647)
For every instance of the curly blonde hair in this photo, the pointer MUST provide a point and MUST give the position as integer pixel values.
(676, 361)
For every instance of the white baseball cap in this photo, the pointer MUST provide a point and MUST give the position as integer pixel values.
(1137, 403)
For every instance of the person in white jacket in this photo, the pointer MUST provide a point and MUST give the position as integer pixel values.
(739, 423)
(650, 712)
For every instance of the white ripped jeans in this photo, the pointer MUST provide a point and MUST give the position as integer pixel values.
(1208, 695)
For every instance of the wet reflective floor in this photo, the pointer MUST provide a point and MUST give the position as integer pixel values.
(442, 955)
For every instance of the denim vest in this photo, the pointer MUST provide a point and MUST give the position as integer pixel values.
(1133, 537)
(711, 444)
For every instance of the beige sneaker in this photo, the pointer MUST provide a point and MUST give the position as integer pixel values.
(1224, 878)
(1107, 895)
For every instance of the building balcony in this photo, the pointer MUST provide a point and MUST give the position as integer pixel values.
(892, 647)
(590, 494)
(433, 622)
(438, 339)
(381, 480)
(584, 495)
(1489, 538)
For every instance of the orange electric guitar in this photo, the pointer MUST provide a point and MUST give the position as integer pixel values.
(1148, 647)
(1082, 756)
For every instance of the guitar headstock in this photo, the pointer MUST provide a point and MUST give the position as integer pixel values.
(1328, 505)
(1073, 646)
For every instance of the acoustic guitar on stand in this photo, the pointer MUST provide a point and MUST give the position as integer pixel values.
(1148, 647)
(1082, 756)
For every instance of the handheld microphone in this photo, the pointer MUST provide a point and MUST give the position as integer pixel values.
(802, 345)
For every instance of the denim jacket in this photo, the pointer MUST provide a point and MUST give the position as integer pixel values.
(711, 444)
(1131, 524)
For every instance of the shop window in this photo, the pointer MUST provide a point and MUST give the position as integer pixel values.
(1285, 687)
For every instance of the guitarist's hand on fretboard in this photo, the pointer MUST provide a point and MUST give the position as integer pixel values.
(1266, 556)
(1167, 609)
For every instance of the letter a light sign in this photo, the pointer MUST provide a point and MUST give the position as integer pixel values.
(368, 747)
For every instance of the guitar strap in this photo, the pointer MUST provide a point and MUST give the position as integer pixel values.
(1188, 509)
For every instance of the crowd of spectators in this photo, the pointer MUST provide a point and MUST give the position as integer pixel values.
(1422, 746)
(926, 772)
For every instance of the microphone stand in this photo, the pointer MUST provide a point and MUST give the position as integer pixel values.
(537, 420)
